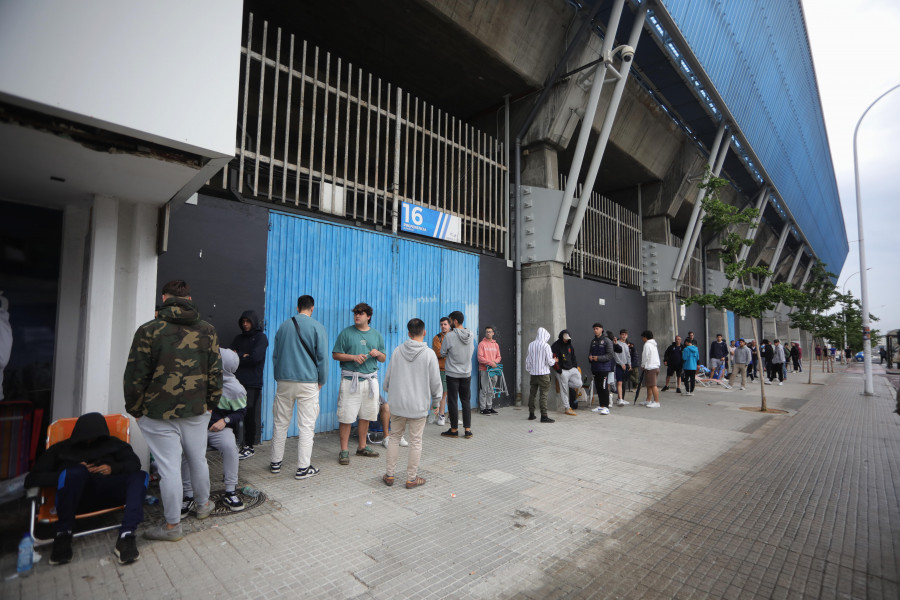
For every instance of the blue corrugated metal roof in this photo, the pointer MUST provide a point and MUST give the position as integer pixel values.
(756, 53)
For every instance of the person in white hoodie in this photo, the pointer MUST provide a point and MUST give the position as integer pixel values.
(650, 365)
(538, 362)
(457, 349)
(413, 383)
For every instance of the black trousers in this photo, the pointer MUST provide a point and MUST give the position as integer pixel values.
(775, 370)
(459, 389)
(252, 418)
(689, 379)
(79, 491)
(600, 380)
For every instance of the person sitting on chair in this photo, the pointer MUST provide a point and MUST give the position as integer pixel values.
(92, 470)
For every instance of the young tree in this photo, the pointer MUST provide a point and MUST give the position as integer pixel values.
(810, 313)
(722, 218)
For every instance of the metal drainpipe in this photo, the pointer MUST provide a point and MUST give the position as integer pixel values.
(395, 211)
(551, 81)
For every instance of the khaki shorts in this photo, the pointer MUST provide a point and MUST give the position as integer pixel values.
(363, 404)
(650, 376)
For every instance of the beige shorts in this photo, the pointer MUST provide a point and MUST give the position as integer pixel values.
(362, 404)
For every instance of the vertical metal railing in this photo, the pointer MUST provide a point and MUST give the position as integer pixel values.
(609, 243)
(316, 132)
(692, 283)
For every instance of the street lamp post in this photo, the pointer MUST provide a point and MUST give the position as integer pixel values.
(869, 389)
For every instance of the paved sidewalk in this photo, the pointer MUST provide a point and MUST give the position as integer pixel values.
(695, 499)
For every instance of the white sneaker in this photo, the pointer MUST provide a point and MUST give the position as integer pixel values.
(621, 402)
(440, 420)
(780, 383)
(603, 410)
(742, 388)
(384, 442)
(599, 409)
(653, 405)
(767, 382)
(643, 403)
(403, 442)
(726, 386)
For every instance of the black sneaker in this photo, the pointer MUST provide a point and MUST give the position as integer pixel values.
(246, 452)
(126, 548)
(187, 505)
(275, 467)
(485, 411)
(450, 433)
(677, 390)
(306, 473)
(531, 417)
(62, 548)
(546, 419)
(468, 434)
(665, 388)
(233, 501)
(493, 412)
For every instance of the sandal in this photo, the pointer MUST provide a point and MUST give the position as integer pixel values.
(415, 483)
(388, 480)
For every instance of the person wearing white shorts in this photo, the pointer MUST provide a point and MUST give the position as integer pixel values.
(359, 348)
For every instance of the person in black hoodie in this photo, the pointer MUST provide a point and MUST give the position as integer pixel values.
(566, 368)
(92, 470)
(250, 346)
(673, 361)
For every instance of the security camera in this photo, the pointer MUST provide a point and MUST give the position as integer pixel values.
(627, 53)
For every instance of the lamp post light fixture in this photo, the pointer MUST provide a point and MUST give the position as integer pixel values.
(869, 388)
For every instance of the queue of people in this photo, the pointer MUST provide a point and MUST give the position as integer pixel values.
(187, 393)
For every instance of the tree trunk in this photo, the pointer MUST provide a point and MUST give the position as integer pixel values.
(762, 385)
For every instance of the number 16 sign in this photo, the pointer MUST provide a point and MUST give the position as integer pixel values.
(429, 222)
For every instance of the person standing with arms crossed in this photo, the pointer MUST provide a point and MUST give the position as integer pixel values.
(458, 347)
(359, 348)
(436, 342)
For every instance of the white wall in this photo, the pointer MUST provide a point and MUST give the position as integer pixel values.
(166, 71)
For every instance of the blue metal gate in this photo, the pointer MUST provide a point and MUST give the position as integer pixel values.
(340, 266)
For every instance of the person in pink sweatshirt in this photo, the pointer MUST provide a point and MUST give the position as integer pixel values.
(488, 356)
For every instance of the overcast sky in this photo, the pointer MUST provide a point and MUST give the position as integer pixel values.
(856, 47)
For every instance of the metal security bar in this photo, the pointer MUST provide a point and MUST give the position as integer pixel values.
(692, 284)
(609, 243)
(317, 133)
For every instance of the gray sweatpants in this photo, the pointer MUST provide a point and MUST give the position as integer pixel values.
(168, 440)
(223, 441)
(486, 397)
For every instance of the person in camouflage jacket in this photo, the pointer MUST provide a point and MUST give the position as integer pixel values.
(172, 380)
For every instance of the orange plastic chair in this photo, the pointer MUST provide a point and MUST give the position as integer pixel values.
(43, 500)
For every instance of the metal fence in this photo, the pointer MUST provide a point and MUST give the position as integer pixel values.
(609, 244)
(692, 284)
(316, 132)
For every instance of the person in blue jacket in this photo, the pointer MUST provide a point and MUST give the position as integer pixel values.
(690, 356)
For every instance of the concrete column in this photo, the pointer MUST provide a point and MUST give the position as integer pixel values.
(135, 288)
(784, 330)
(68, 362)
(769, 329)
(98, 330)
(662, 317)
(745, 325)
(540, 168)
(718, 323)
(543, 305)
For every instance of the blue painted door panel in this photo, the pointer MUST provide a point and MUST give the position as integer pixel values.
(340, 266)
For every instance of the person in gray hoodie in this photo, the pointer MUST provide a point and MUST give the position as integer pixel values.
(413, 383)
(458, 347)
(742, 358)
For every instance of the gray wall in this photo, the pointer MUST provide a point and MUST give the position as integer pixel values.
(497, 307)
(694, 320)
(623, 309)
(219, 247)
